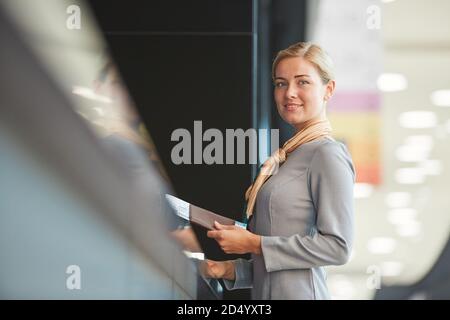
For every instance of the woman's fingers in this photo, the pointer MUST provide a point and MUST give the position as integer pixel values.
(219, 232)
(216, 234)
(214, 269)
(219, 226)
(217, 269)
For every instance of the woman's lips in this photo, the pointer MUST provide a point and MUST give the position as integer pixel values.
(292, 106)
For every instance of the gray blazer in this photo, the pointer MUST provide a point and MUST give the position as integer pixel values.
(304, 214)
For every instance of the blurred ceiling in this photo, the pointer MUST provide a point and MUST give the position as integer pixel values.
(402, 227)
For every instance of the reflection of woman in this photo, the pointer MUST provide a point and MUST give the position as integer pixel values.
(120, 124)
(119, 116)
(303, 210)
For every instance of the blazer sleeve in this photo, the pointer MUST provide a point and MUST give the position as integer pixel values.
(243, 271)
(331, 179)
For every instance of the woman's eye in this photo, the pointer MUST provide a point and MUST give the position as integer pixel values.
(303, 82)
(279, 84)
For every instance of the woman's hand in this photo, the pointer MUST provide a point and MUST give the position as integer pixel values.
(217, 269)
(233, 239)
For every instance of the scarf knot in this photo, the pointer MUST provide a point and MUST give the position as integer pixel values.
(311, 131)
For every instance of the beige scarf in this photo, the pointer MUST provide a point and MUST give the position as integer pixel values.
(313, 130)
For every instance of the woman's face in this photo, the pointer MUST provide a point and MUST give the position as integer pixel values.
(299, 92)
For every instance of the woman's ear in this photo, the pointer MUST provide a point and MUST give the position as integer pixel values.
(329, 90)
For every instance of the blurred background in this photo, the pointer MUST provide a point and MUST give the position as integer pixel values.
(91, 92)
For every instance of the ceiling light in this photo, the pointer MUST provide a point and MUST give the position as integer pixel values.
(391, 268)
(401, 216)
(362, 190)
(441, 98)
(418, 119)
(391, 82)
(381, 245)
(88, 93)
(410, 229)
(194, 255)
(398, 199)
(412, 153)
(409, 176)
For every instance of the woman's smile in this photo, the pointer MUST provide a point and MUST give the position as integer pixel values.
(292, 107)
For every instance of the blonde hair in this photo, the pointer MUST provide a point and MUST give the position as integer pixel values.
(310, 52)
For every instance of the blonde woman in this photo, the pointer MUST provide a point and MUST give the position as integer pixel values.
(301, 213)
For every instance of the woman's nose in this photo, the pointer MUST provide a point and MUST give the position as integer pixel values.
(291, 91)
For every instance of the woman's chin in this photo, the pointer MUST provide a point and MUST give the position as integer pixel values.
(293, 120)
